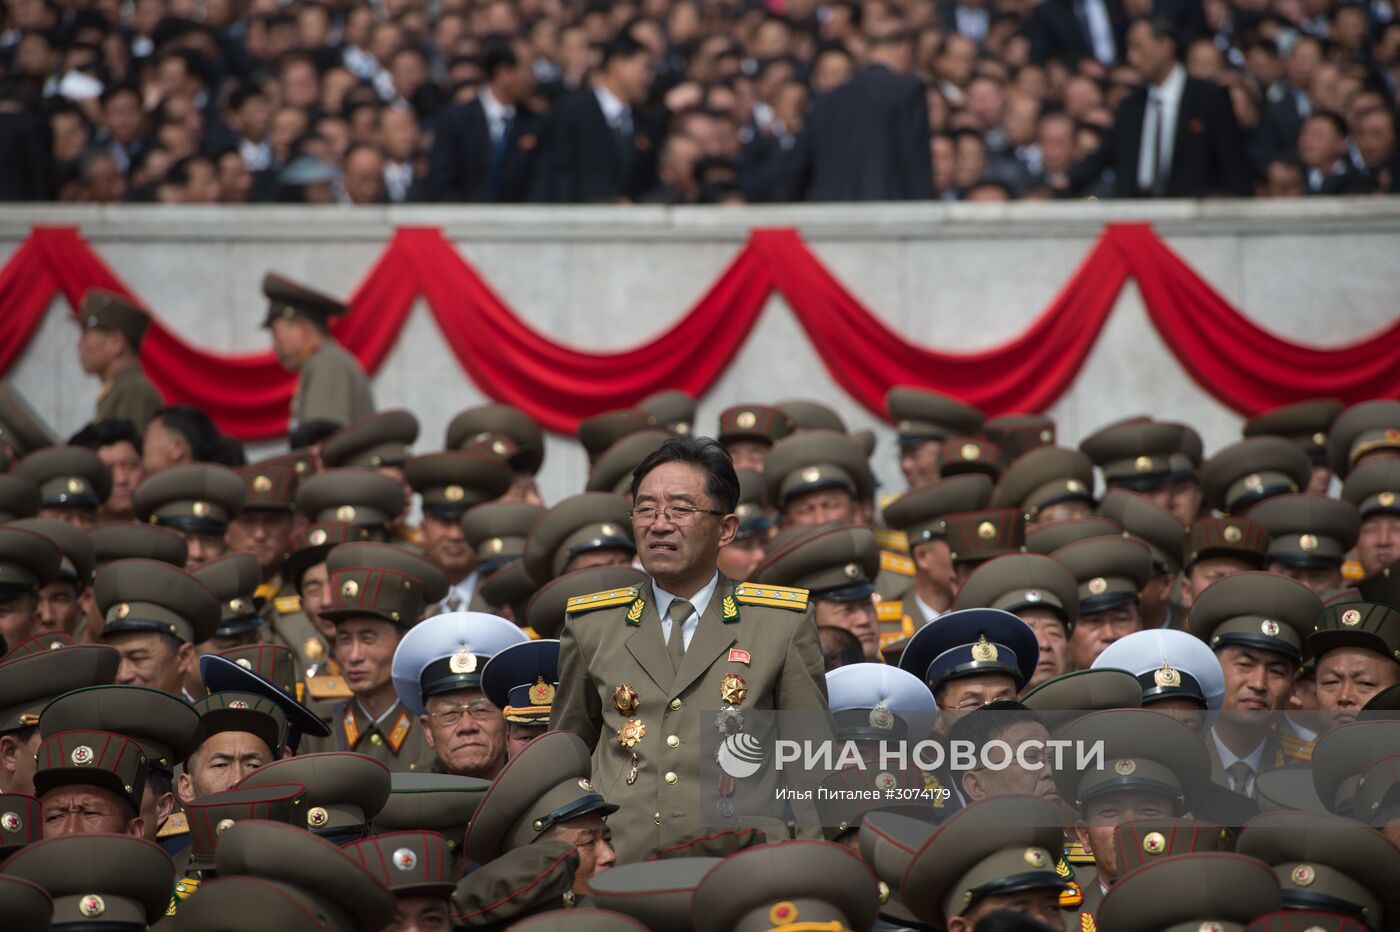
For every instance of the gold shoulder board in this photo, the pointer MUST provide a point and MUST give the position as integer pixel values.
(772, 596)
(890, 539)
(608, 597)
(896, 563)
(287, 604)
(327, 686)
(174, 824)
(889, 610)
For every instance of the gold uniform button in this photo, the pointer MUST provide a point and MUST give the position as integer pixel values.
(675, 704)
(656, 817)
(376, 740)
(671, 777)
(672, 741)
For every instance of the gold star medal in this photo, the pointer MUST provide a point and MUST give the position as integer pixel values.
(632, 732)
(625, 698)
(733, 690)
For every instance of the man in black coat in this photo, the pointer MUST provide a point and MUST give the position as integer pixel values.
(1069, 31)
(1173, 137)
(598, 145)
(484, 151)
(868, 140)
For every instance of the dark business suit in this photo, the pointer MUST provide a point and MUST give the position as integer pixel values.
(1208, 155)
(583, 160)
(460, 166)
(866, 140)
(1057, 32)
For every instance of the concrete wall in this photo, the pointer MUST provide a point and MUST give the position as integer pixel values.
(958, 277)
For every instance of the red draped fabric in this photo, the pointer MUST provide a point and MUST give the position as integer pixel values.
(1235, 360)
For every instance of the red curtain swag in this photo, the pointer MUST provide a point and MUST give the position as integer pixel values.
(1240, 364)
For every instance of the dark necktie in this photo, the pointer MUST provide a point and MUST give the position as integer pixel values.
(499, 147)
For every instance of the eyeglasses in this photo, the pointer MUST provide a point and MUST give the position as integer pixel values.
(481, 710)
(675, 514)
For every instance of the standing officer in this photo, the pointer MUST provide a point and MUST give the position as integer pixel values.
(110, 347)
(331, 385)
(640, 666)
(378, 593)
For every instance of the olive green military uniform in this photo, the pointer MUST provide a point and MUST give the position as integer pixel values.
(130, 395)
(384, 582)
(754, 647)
(22, 431)
(332, 385)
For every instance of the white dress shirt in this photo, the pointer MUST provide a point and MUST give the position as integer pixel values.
(1228, 758)
(1167, 97)
(1100, 31)
(698, 602)
(617, 113)
(497, 114)
(460, 596)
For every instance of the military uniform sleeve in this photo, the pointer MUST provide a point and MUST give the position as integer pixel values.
(803, 684)
(576, 703)
(133, 399)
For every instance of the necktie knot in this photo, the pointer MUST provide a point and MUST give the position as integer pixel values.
(1240, 772)
(678, 611)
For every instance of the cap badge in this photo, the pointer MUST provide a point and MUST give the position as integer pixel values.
(200, 509)
(313, 649)
(1125, 767)
(585, 784)
(1143, 464)
(262, 483)
(1303, 875)
(608, 530)
(1166, 676)
(984, 651)
(881, 717)
(1036, 857)
(1209, 926)
(625, 698)
(746, 420)
(1074, 485)
(238, 704)
(244, 662)
(541, 693)
(11, 822)
(82, 755)
(464, 661)
(454, 493)
(317, 537)
(811, 474)
(1269, 627)
(986, 530)
(1098, 585)
(235, 605)
(1308, 542)
(884, 780)
(852, 571)
(884, 890)
(1154, 843)
(1233, 535)
(1351, 618)
(92, 906)
(349, 589)
(1385, 499)
(223, 826)
(970, 451)
(1253, 483)
(122, 610)
(733, 689)
(405, 859)
(632, 731)
(317, 817)
(1033, 595)
(75, 486)
(1047, 435)
(345, 513)
(494, 545)
(782, 914)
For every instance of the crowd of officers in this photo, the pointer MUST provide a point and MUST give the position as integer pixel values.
(254, 697)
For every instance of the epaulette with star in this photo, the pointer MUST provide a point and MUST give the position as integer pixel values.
(287, 604)
(896, 563)
(174, 824)
(605, 599)
(1075, 853)
(890, 539)
(771, 596)
(1296, 749)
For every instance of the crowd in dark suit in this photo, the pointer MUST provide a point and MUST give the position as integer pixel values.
(678, 101)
